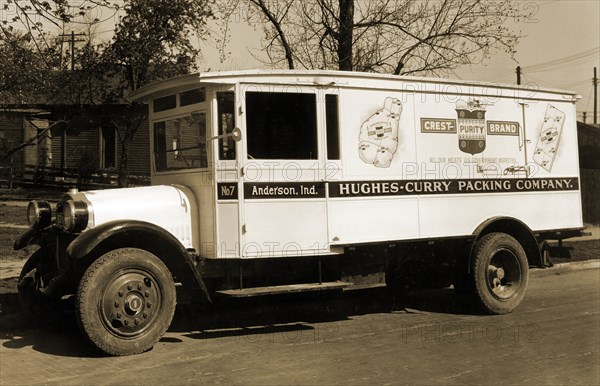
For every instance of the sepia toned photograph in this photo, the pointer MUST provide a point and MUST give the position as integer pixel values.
(286, 192)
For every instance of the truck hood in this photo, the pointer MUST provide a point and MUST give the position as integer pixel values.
(169, 207)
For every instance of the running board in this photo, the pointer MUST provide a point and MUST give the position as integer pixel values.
(284, 289)
(357, 287)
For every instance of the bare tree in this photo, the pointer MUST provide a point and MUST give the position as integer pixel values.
(388, 36)
(152, 41)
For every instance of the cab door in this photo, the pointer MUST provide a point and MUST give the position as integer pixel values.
(226, 156)
(284, 193)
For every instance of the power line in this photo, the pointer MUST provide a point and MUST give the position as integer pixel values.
(578, 58)
(498, 76)
(567, 59)
(570, 64)
(535, 80)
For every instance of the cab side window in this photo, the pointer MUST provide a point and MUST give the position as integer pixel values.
(332, 127)
(225, 111)
(180, 143)
(281, 125)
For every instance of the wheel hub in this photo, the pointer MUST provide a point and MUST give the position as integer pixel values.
(504, 274)
(500, 273)
(129, 303)
(133, 305)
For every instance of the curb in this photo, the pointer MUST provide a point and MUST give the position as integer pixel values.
(13, 226)
(566, 267)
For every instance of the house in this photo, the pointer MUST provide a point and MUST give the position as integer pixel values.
(81, 139)
(17, 124)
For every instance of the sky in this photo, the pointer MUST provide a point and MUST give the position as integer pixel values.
(560, 50)
(560, 47)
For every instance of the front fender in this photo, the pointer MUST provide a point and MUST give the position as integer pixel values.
(29, 237)
(147, 236)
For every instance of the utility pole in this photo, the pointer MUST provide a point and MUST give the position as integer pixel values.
(63, 139)
(72, 41)
(595, 82)
(518, 75)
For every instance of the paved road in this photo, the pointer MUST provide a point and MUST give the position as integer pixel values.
(554, 337)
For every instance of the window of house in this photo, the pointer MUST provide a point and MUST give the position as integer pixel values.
(165, 103)
(332, 127)
(3, 142)
(180, 143)
(193, 96)
(226, 121)
(108, 148)
(281, 125)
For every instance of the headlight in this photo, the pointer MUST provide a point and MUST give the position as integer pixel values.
(39, 214)
(75, 215)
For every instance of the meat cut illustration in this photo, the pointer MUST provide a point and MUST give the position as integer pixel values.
(379, 134)
(549, 139)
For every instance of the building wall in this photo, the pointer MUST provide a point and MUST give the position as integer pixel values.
(82, 149)
(11, 134)
(139, 151)
(589, 162)
(588, 137)
(30, 153)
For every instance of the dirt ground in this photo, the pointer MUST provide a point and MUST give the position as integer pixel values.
(27, 194)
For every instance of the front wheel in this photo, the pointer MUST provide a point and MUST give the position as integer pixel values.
(126, 301)
(499, 273)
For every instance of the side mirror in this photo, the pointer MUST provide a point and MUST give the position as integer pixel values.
(236, 134)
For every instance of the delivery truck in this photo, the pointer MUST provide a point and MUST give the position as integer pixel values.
(271, 182)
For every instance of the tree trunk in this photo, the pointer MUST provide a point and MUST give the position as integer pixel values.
(135, 118)
(346, 35)
(123, 172)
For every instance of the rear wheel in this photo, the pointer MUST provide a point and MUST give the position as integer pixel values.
(125, 301)
(499, 273)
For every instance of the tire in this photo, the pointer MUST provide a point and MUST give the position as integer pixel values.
(499, 273)
(37, 308)
(125, 301)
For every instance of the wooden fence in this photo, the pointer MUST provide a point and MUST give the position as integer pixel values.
(590, 195)
(7, 175)
(66, 178)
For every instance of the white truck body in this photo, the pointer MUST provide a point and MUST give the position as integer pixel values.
(418, 158)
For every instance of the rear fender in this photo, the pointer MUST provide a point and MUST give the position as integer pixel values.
(516, 229)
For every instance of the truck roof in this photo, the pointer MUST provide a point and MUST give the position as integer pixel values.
(328, 78)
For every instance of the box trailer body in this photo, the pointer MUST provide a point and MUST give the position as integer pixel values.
(268, 181)
(415, 159)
